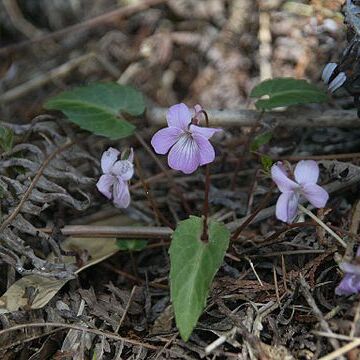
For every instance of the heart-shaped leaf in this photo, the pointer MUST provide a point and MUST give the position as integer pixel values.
(286, 91)
(99, 107)
(194, 264)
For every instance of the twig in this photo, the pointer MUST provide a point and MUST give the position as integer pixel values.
(310, 300)
(276, 285)
(106, 18)
(220, 340)
(318, 157)
(264, 36)
(251, 217)
(18, 20)
(126, 309)
(323, 225)
(334, 336)
(288, 252)
(43, 79)
(288, 118)
(343, 350)
(134, 278)
(254, 271)
(355, 218)
(334, 186)
(121, 232)
(167, 344)
(264, 311)
(355, 322)
(13, 215)
(63, 326)
(31, 338)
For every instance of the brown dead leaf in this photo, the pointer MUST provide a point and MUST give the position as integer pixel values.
(44, 289)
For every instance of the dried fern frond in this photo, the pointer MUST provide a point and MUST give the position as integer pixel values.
(63, 181)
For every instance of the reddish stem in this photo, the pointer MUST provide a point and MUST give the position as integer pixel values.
(205, 235)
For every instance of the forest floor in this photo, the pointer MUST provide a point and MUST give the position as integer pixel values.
(274, 296)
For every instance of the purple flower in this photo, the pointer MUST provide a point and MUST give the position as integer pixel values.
(306, 175)
(350, 283)
(189, 144)
(114, 183)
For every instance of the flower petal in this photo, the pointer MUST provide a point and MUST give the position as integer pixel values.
(337, 82)
(286, 206)
(124, 169)
(306, 172)
(121, 194)
(206, 150)
(315, 194)
(350, 284)
(179, 116)
(185, 155)
(105, 184)
(204, 131)
(281, 179)
(350, 268)
(165, 138)
(328, 71)
(108, 159)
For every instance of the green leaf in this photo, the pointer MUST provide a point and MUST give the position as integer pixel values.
(286, 91)
(194, 264)
(260, 140)
(6, 138)
(132, 245)
(99, 107)
(266, 162)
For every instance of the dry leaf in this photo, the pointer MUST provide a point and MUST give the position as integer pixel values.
(41, 289)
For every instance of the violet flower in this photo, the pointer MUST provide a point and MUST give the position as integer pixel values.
(116, 173)
(350, 283)
(189, 144)
(306, 176)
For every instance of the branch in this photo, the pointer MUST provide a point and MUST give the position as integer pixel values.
(158, 232)
(288, 118)
(106, 18)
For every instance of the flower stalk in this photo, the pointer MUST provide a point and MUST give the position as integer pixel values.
(323, 225)
(205, 236)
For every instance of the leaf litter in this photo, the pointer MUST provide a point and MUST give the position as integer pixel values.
(179, 51)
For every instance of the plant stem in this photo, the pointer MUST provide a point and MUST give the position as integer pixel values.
(323, 225)
(205, 235)
(158, 215)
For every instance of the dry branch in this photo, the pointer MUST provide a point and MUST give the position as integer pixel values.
(43, 79)
(106, 18)
(288, 118)
(154, 232)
